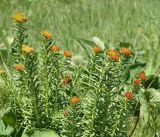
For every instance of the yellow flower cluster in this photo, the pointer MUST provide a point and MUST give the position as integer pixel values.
(47, 34)
(2, 72)
(113, 54)
(26, 49)
(20, 17)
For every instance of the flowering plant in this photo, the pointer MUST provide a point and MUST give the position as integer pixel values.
(47, 92)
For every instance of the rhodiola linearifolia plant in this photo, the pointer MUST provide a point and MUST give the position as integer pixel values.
(47, 91)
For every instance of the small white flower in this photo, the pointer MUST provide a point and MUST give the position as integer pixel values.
(77, 60)
(98, 42)
(1, 83)
(1, 45)
(9, 40)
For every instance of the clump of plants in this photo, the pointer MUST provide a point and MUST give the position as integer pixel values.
(48, 95)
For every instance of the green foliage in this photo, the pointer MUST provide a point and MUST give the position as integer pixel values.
(45, 84)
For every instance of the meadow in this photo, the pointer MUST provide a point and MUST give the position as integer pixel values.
(112, 21)
(75, 37)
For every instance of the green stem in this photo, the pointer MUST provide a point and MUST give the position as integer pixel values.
(46, 75)
(56, 101)
(102, 78)
(47, 95)
(97, 95)
(35, 104)
(73, 121)
(118, 119)
(30, 64)
(57, 88)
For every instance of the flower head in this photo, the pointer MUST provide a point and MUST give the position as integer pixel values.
(137, 81)
(143, 76)
(55, 48)
(20, 17)
(78, 60)
(66, 112)
(129, 95)
(9, 40)
(19, 67)
(113, 54)
(115, 58)
(26, 49)
(67, 54)
(126, 51)
(47, 34)
(2, 72)
(75, 100)
(67, 80)
(97, 50)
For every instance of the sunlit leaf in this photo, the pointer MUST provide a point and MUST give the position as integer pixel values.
(5, 130)
(9, 117)
(153, 95)
(41, 133)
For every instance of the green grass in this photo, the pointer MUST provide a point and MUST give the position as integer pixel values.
(135, 21)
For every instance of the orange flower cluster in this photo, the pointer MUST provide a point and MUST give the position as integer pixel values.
(129, 95)
(55, 48)
(19, 67)
(2, 72)
(47, 34)
(142, 77)
(26, 49)
(20, 17)
(113, 54)
(97, 50)
(137, 81)
(75, 100)
(126, 51)
(67, 80)
(66, 112)
(67, 54)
